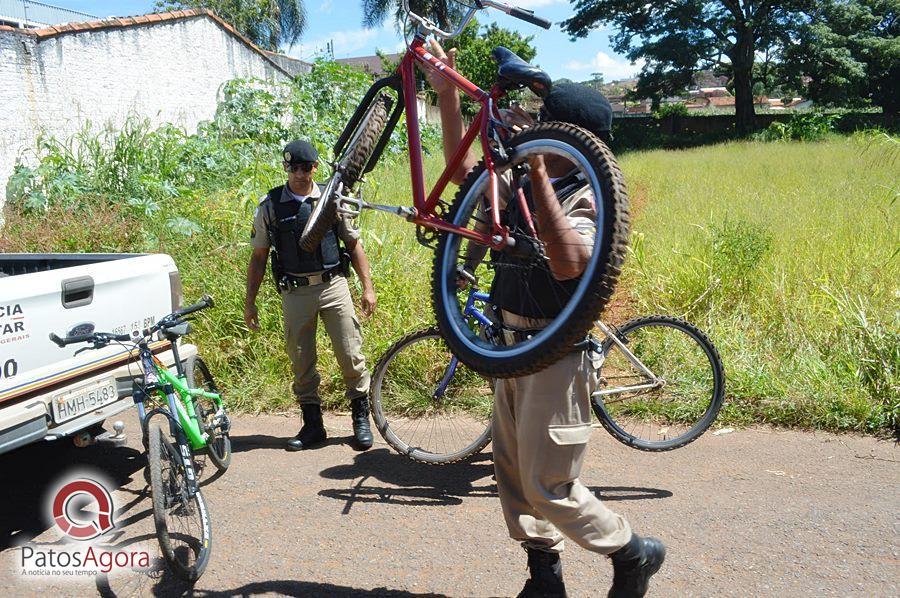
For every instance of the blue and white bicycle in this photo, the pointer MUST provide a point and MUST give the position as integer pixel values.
(659, 386)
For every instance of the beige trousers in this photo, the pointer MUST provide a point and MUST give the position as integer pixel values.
(302, 307)
(541, 427)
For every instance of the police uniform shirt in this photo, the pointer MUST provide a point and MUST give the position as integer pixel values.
(259, 237)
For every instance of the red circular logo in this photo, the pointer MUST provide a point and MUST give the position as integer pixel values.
(83, 530)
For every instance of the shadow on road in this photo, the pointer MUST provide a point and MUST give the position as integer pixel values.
(28, 474)
(406, 482)
(616, 493)
(252, 442)
(285, 587)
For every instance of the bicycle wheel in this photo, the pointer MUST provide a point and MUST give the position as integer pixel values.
(426, 405)
(558, 297)
(673, 406)
(182, 521)
(349, 170)
(214, 422)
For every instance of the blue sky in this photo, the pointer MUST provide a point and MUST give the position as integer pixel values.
(340, 21)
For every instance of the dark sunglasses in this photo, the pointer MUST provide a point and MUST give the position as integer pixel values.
(302, 166)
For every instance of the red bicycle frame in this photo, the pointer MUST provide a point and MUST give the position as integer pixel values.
(424, 207)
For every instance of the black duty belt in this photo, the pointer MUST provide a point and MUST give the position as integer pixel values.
(287, 281)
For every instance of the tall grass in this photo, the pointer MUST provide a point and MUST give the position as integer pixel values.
(787, 255)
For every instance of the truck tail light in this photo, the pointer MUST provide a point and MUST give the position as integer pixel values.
(175, 286)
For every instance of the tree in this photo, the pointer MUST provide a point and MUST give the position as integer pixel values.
(267, 23)
(446, 13)
(679, 37)
(849, 51)
(475, 44)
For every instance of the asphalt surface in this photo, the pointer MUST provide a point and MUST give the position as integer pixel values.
(756, 512)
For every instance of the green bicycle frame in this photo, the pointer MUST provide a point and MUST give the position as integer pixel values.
(181, 401)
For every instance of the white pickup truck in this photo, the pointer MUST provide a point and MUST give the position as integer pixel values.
(48, 392)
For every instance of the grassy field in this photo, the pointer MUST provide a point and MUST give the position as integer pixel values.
(785, 253)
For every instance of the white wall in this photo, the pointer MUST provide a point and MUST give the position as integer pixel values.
(167, 72)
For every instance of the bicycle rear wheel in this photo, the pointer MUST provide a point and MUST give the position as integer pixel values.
(678, 403)
(426, 405)
(182, 522)
(545, 298)
(349, 170)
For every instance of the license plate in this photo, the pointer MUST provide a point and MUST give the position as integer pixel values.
(82, 400)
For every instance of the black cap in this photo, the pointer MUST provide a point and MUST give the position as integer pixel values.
(299, 151)
(579, 105)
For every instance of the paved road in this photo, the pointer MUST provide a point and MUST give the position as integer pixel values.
(751, 513)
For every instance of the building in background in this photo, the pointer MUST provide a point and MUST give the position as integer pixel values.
(25, 14)
(163, 68)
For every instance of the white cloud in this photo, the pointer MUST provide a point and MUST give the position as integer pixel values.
(325, 6)
(611, 67)
(346, 43)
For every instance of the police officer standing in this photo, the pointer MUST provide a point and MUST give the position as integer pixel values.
(312, 285)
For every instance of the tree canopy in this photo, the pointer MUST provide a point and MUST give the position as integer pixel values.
(267, 23)
(848, 53)
(443, 12)
(678, 37)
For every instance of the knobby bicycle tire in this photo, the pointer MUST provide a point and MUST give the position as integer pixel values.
(162, 491)
(392, 435)
(350, 168)
(218, 445)
(589, 300)
(617, 429)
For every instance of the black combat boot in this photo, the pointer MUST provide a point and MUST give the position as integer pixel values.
(546, 579)
(633, 564)
(312, 432)
(362, 431)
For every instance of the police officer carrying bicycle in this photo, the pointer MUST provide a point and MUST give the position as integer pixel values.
(541, 422)
(312, 285)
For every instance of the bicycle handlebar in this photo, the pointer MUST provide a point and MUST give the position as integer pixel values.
(205, 302)
(101, 339)
(513, 11)
(520, 13)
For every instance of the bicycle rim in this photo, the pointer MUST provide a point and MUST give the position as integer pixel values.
(685, 395)
(182, 522)
(558, 303)
(424, 408)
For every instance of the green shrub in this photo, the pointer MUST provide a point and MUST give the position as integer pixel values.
(668, 110)
(803, 126)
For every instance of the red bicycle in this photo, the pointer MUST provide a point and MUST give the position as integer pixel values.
(491, 228)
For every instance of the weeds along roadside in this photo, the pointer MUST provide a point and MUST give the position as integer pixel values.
(783, 252)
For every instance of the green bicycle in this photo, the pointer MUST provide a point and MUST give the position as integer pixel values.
(197, 424)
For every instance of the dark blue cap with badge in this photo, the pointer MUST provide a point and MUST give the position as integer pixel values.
(579, 105)
(299, 151)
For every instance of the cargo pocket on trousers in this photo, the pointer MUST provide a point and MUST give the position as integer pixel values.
(566, 434)
(562, 460)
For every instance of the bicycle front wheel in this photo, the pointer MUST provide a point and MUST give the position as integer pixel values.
(211, 414)
(182, 522)
(664, 389)
(427, 405)
(350, 168)
(560, 267)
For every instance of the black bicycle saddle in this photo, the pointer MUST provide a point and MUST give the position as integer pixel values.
(513, 72)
